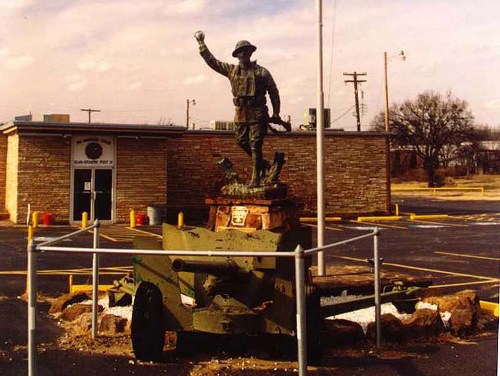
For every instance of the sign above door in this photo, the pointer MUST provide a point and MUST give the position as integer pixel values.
(93, 151)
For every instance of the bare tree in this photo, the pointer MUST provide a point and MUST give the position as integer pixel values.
(429, 124)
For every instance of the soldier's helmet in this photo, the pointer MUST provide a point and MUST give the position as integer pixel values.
(241, 45)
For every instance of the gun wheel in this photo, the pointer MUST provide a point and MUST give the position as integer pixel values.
(314, 325)
(147, 327)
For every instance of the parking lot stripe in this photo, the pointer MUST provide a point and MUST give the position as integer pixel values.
(111, 270)
(326, 227)
(423, 269)
(108, 237)
(146, 232)
(379, 225)
(439, 223)
(469, 256)
(465, 284)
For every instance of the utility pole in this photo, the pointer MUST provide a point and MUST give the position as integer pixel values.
(355, 81)
(89, 110)
(188, 101)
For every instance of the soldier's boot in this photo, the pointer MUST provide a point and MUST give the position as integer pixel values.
(264, 169)
(256, 168)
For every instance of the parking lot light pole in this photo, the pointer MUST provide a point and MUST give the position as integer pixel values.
(386, 89)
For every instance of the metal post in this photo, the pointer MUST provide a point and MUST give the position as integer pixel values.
(376, 270)
(95, 280)
(31, 282)
(301, 310)
(386, 92)
(320, 170)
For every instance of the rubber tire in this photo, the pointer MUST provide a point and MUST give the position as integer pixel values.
(314, 326)
(147, 327)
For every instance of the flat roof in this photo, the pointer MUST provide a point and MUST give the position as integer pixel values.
(41, 127)
(144, 130)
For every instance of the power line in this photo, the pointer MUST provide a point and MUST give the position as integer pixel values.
(343, 114)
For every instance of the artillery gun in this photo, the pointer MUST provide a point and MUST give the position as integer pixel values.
(239, 295)
(220, 295)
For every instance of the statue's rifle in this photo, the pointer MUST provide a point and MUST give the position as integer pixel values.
(279, 121)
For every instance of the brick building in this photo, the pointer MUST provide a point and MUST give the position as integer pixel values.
(107, 169)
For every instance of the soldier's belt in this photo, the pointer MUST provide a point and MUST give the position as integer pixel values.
(248, 102)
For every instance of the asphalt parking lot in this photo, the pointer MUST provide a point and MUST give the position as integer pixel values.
(461, 251)
(456, 252)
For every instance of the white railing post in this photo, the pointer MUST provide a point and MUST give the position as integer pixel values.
(95, 280)
(376, 271)
(301, 310)
(31, 286)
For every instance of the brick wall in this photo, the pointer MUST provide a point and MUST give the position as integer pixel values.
(355, 169)
(3, 171)
(141, 175)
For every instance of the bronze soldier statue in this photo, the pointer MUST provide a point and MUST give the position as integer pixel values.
(250, 83)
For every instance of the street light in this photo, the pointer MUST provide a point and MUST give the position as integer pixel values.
(402, 56)
(189, 101)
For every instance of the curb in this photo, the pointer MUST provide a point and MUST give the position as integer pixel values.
(315, 219)
(428, 216)
(380, 218)
(489, 307)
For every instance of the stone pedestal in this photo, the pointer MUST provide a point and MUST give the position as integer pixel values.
(252, 214)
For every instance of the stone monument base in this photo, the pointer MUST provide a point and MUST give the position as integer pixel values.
(251, 214)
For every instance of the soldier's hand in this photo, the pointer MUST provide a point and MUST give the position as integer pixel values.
(200, 36)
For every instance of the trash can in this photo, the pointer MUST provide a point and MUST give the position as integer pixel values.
(141, 219)
(48, 219)
(155, 214)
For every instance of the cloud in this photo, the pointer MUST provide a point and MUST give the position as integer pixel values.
(135, 85)
(19, 62)
(195, 80)
(185, 7)
(493, 104)
(15, 4)
(75, 82)
(95, 65)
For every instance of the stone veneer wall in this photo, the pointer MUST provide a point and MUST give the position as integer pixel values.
(355, 169)
(141, 175)
(181, 171)
(43, 177)
(11, 179)
(3, 170)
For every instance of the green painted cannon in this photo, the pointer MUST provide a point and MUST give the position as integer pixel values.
(220, 295)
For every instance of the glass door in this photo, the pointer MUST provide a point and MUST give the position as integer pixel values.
(92, 193)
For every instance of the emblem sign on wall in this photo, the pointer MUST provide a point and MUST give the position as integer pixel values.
(93, 151)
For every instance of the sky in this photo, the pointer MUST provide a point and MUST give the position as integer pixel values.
(138, 62)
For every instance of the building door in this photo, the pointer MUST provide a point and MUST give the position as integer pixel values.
(92, 193)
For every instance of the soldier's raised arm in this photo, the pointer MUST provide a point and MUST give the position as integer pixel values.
(212, 62)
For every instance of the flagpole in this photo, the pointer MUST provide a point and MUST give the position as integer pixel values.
(320, 169)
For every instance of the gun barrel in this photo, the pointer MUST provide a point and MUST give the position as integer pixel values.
(209, 267)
